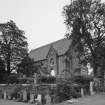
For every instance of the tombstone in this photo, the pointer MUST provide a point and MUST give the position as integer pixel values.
(14, 98)
(19, 96)
(5, 95)
(96, 84)
(24, 95)
(24, 76)
(82, 92)
(32, 98)
(35, 78)
(91, 88)
(0, 94)
(48, 99)
(39, 98)
(9, 97)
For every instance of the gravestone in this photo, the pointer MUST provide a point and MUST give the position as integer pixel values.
(0, 94)
(39, 98)
(24, 95)
(9, 97)
(31, 97)
(82, 92)
(35, 78)
(48, 99)
(91, 88)
(5, 95)
(19, 96)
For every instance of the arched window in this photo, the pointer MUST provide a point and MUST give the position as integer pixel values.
(51, 61)
(67, 62)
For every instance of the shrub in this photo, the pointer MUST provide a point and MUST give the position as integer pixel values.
(66, 89)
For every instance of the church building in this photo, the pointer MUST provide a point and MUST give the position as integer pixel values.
(57, 58)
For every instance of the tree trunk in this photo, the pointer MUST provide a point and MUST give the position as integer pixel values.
(94, 68)
(8, 64)
(102, 77)
(8, 67)
(88, 41)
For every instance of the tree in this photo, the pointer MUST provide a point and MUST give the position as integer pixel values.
(66, 89)
(2, 72)
(85, 21)
(27, 66)
(13, 45)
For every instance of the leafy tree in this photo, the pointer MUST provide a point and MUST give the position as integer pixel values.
(27, 66)
(85, 21)
(13, 45)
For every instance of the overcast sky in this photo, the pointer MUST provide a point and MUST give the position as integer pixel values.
(41, 20)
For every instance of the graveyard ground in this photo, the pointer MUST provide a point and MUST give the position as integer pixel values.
(98, 99)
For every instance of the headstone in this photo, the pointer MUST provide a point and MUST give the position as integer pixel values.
(91, 88)
(19, 96)
(0, 94)
(24, 95)
(9, 97)
(104, 79)
(35, 78)
(24, 76)
(31, 98)
(39, 98)
(5, 95)
(14, 98)
(48, 99)
(82, 92)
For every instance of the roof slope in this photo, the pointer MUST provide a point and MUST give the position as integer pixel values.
(60, 46)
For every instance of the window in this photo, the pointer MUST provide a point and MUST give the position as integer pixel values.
(51, 61)
(52, 72)
(67, 65)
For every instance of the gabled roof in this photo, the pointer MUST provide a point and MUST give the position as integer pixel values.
(60, 46)
(51, 51)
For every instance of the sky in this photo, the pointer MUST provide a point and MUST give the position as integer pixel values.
(41, 20)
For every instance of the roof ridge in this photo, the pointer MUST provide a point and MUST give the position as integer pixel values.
(48, 44)
(61, 46)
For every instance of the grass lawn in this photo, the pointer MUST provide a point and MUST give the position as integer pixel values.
(8, 102)
(98, 99)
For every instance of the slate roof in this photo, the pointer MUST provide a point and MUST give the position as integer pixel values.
(60, 46)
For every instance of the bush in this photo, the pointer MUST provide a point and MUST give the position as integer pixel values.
(66, 90)
(13, 90)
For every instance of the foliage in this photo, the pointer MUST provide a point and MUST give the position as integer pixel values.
(66, 89)
(13, 45)
(3, 73)
(47, 79)
(42, 68)
(85, 21)
(12, 79)
(14, 90)
(27, 66)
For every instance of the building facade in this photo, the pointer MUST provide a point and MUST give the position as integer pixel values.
(57, 58)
